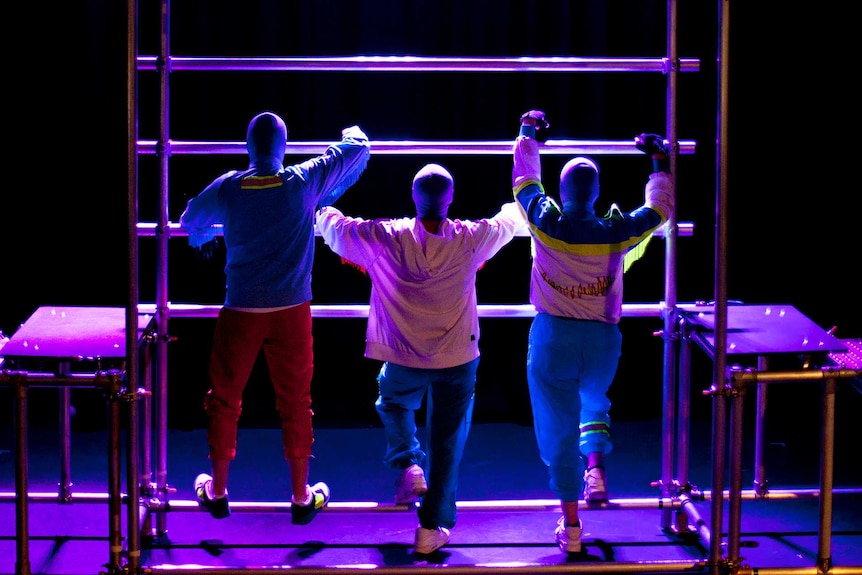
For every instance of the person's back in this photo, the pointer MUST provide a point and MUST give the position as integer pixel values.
(423, 325)
(585, 254)
(423, 297)
(267, 213)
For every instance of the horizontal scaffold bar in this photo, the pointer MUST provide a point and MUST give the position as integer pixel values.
(185, 505)
(193, 310)
(148, 229)
(417, 64)
(414, 147)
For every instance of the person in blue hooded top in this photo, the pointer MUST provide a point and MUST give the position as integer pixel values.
(267, 215)
(576, 288)
(423, 324)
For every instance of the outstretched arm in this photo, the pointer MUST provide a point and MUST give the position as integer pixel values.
(340, 166)
(658, 193)
(527, 166)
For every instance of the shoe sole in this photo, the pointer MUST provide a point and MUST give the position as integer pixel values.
(428, 551)
(405, 496)
(410, 496)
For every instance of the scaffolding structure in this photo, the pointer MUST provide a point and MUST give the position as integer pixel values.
(148, 490)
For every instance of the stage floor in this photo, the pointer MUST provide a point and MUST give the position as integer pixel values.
(501, 464)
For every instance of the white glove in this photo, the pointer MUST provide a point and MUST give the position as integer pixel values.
(353, 132)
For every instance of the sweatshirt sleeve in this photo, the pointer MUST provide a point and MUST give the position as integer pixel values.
(351, 238)
(527, 166)
(512, 216)
(202, 212)
(658, 194)
(337, 169)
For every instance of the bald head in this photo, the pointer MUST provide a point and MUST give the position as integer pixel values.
(579, 185)
(433, 189)
(266, 139)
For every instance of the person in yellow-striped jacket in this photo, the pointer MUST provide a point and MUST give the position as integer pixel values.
(576, 287)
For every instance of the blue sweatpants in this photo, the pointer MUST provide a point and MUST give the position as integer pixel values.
(570, 367)
(449, 413)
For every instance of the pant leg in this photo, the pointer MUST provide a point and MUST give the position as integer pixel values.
(554, 362)
(236, 345)
(289, 353)
(401, 390)
(450, 414)
(600, 366)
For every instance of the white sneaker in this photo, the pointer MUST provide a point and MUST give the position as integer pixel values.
(595, 485)
(430, 540)
(410, 485)
(568, 537)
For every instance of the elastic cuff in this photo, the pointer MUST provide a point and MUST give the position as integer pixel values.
(309, 497)
(661, 165)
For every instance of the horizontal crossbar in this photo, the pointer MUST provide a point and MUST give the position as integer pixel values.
(414, 147)
(416, 64)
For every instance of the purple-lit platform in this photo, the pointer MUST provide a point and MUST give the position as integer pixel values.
(763, 330)
(73, 334)
(66, 347)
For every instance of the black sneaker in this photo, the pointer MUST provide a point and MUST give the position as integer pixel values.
(303, 514)
(218, 508)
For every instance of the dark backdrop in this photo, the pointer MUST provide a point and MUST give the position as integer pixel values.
(792, 209)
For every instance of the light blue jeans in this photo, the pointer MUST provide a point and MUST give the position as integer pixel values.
(449, 413)
(571, 364)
